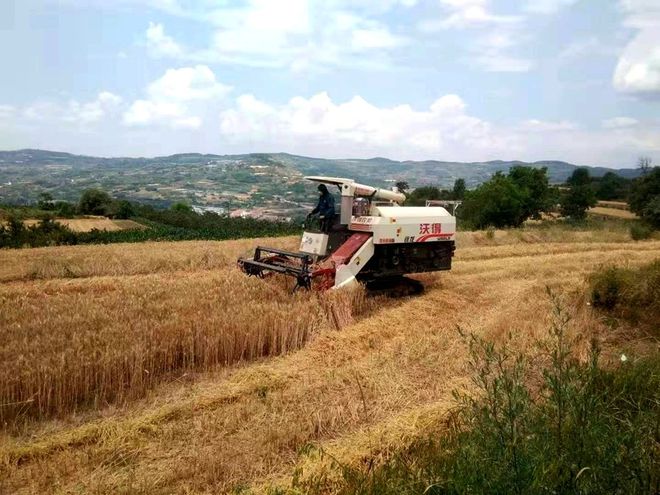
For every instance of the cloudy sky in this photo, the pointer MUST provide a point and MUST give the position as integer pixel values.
(466, 80)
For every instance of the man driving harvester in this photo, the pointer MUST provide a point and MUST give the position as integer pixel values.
(325, 209)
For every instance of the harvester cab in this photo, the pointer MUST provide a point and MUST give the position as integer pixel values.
(374, 240)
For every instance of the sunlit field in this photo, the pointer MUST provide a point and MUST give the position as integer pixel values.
(161, 368)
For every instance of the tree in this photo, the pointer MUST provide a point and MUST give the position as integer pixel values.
(419, 195)
(580, 197)
(13, 234)
(65, 209)
(45, 201)
(508, 200)
(534, 184)
(579, 177)
(458, 192)
(612, 186)
(94, 202)
(644, 164)
(124, 209)
(499, 202)
(643, 196)
(402, 186)
(181, 208)
(651, 212)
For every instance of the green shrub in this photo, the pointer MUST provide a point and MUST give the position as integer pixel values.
(181, 207)
(651, 212)
(640, 231)
(644, 196)
(630, 293)
(46, 233)
(607, 288)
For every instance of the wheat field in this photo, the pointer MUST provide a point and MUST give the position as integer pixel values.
(90, 223)
(103, 339)
(356, 379)
(603, 211)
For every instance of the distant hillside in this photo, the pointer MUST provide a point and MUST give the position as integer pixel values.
(255, 180)
(433, 171)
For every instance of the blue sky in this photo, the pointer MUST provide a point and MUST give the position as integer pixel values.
(466, 80)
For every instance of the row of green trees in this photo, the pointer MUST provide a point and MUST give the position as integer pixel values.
(509, 199)
(92, 202)
(420, 195)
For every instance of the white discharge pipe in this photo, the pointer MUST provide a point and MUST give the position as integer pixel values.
(350, 188)
(362, 190)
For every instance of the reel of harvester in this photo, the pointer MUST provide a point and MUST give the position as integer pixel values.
(267, 261)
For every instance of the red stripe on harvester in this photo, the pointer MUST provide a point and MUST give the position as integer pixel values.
(433, 236)
(346, 251)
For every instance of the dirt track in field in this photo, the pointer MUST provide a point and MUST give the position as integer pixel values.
(358, 393)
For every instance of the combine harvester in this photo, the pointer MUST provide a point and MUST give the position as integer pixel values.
(374, 240)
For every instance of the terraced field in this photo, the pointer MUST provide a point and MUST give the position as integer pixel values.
(158, 368)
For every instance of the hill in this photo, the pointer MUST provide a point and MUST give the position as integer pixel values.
(271, 182)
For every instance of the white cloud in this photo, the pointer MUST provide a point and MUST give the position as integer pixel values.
(475, 16)
(496, 62)
(319, 126)
(75, 112)
(638, 68)
(492, 51)
(188, 83)
(375, 37)
(619, 122)
(587, 47)
(93, 111)
(304, 34)
(493, 46)
(146, 112)
(176, 98)
(467, 14)
(320, 123)
(7, 111)
(535, 125)
(640, 13)
(547, 6)
(160, 44)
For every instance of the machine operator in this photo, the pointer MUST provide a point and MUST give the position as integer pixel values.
(325, 209)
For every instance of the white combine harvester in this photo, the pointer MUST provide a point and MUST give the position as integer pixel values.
(374, 240)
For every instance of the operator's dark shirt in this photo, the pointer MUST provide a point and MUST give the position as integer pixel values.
(326, 206)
